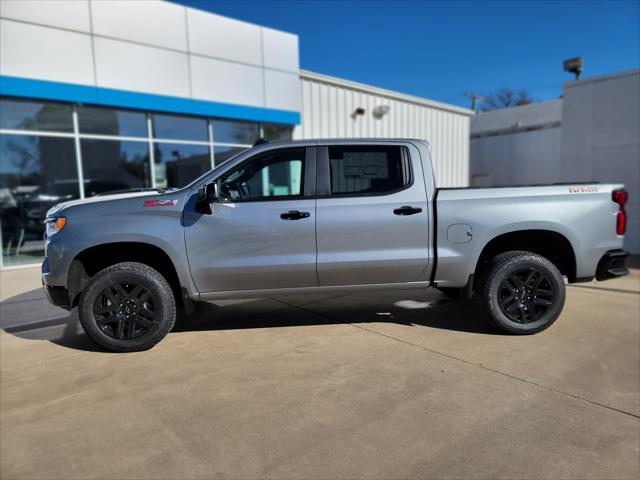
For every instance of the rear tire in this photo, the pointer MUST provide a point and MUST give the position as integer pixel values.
(127, 307)
(522, 293)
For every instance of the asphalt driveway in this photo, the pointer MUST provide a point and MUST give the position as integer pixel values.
(394, 385)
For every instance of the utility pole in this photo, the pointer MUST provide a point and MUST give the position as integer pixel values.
(474, 97)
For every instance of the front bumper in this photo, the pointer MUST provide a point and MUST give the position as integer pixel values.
(57, 295)
(612, 265)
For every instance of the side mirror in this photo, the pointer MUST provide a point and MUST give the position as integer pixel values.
(207, 195)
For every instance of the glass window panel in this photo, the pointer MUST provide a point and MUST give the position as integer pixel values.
(274, 174)
(174, 127)
(222, 154)
(229, 131)
(36, 173)
(176, 165)
(32, 115)
(368, 170)
(106, 121)
(274, 132)
(114, 166)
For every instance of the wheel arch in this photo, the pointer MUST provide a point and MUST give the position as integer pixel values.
(93, 259)
(552, 245)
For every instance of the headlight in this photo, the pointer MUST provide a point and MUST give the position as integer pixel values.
(54, 225)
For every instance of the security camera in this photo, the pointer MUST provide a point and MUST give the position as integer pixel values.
(573, 65)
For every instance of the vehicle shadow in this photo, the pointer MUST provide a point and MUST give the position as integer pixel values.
(431, 310)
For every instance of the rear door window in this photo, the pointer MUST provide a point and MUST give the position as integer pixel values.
(368, 170)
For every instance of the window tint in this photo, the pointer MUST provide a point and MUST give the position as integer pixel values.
(106, 121)
(235, 132)
(367, 170)
(112, 165)
(270, 175)
(29, 115)
(177, 165)
(179, 128)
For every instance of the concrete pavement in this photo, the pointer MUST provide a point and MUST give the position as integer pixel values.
(395, 385)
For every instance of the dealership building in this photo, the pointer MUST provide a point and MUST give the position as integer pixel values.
(591, 134)
(103, 96)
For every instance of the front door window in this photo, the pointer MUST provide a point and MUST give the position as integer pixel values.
(274, 175)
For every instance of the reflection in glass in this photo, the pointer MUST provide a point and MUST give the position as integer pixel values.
(229, 131)
(175, 127)
(107, 121)
(275, 132)
(112, 165)
(222, 154)
(36, 173)
(32, 115)
(176, 165)
(273, 174)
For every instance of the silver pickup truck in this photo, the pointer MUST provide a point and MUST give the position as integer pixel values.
(327, 216)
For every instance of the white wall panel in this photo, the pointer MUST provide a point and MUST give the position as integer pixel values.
(44, 53)
(148, 69)
(150, 46)
(146, 21)
(282, 90)
(280, 50)
(225, 38)
(227, 82)
(328, 105)
(69, 14)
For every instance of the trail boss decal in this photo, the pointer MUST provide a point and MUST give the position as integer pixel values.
(585, 189)
(160, 203)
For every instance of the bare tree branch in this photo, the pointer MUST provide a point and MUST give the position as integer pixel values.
(505, 98)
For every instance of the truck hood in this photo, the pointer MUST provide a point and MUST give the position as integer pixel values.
(103, 199)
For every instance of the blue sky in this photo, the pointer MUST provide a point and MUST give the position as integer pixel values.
(439, 50)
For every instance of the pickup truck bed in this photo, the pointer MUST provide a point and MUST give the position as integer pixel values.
(576, 214)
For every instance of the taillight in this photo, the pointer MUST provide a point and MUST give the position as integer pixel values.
(620, 197)
(621, 223)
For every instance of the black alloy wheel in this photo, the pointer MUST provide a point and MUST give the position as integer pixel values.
(521, 292)
(127, 307)
(526, 295)
(125, 310)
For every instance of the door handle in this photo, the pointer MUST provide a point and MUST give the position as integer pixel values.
(294, 215)
(407, 210)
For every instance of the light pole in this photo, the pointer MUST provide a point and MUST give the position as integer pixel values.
(474, 100)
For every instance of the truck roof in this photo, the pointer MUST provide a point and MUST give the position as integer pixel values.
(334, 141)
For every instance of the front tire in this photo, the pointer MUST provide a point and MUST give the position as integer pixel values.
(127, 307)
(522, 293)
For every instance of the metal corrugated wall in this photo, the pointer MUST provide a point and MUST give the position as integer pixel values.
(328, 105)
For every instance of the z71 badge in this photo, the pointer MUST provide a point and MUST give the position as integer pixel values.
(160, 203)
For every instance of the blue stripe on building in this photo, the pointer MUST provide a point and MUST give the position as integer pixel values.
(69, 92)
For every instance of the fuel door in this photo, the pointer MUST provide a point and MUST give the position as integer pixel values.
(459, 233)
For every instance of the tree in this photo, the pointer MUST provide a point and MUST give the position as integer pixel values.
(505, 98)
